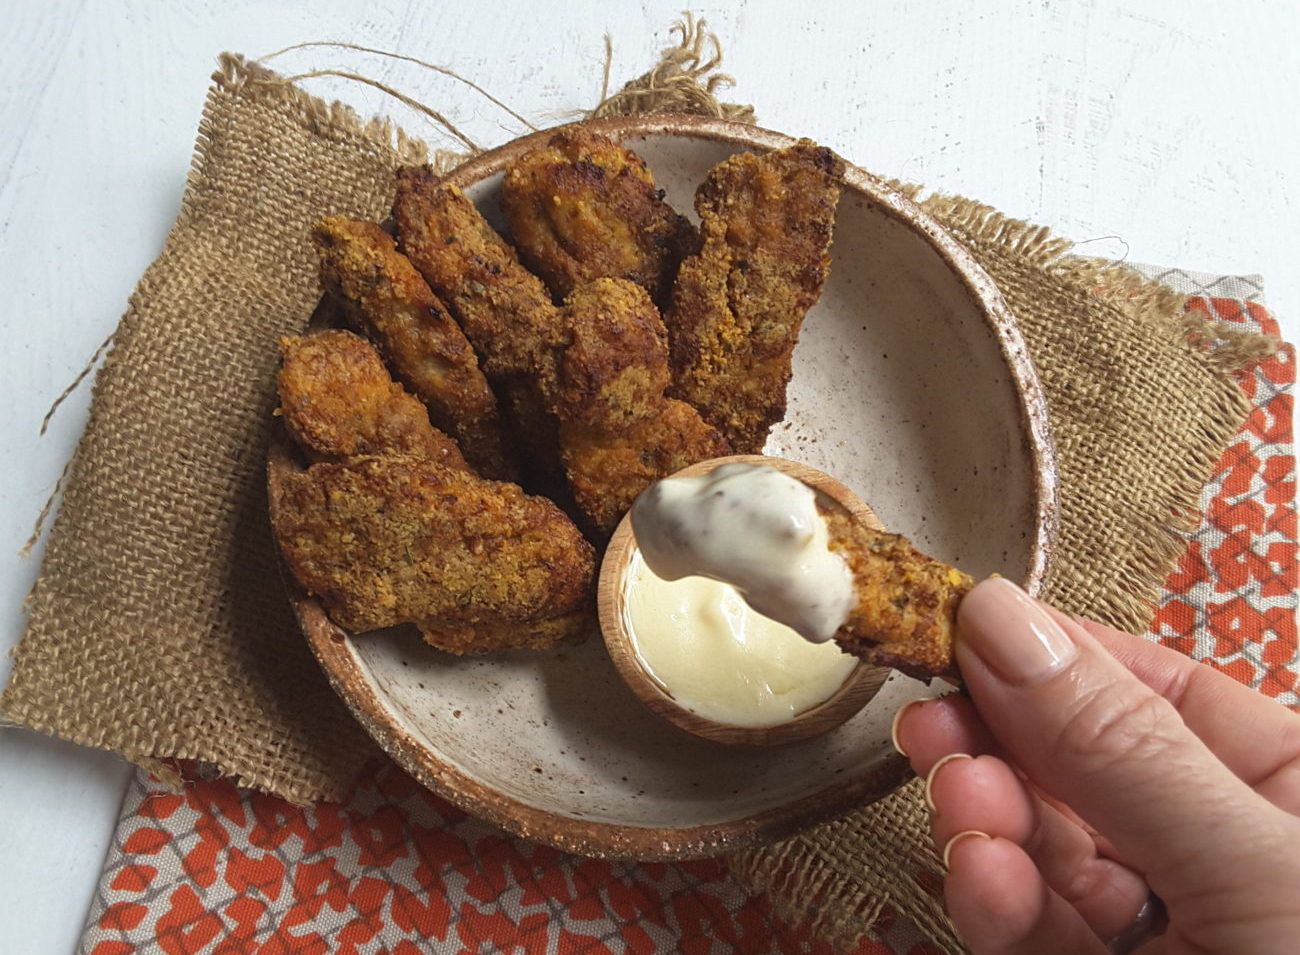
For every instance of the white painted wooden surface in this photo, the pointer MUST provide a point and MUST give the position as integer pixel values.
(1164, 131)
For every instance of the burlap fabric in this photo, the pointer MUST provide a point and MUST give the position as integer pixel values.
(157, 627)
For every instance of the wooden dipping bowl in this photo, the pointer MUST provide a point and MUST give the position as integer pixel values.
(854, 693)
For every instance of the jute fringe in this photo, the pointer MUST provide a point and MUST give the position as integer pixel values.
(234, 74)
(48, 507)
(824, 878)
(685, 80)
(157, 628)
(1117, 588)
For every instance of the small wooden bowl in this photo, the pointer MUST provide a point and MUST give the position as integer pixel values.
(861, 684)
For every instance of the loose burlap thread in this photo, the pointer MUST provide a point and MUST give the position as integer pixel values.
(157, 628)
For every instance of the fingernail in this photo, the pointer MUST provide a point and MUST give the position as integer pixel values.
(898, 718)
(1011, 634)
(947, 848)
(929, 780)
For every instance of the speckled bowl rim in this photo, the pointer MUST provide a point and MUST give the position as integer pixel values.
(657, 843)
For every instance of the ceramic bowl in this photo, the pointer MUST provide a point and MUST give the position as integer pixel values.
(911, 385)
(859, 686)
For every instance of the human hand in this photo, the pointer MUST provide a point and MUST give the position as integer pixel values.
(1101, 768)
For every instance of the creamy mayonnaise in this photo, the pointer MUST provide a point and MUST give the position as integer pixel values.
(718, 658)
(754, 528)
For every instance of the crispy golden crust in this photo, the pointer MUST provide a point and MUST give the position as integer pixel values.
(385, 297)
(583, 207)
(738, 304)
(906, 612)
(618, 433)
(476, 564)
(337, 401)
(504, 309)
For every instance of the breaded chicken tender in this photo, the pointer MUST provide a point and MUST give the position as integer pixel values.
(338, 400)
(505, 310)
(738, 304)
(906, 610)
(385, 297)
(582, 207)
(475, 564)
(618, 433)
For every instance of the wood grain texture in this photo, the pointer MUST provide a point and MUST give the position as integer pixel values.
(1163, 132)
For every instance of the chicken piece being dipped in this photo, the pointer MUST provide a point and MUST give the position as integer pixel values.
(805, 558)
(905, 612)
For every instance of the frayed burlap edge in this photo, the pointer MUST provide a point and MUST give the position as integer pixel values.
(327, 119)
(841, 877)
(23, 705)
(1017, 246)
(330, 120)
(1227, 348)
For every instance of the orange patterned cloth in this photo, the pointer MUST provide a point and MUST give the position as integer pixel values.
(398, 870)
(1231, 602)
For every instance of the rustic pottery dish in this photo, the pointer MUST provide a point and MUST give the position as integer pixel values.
(861, 684)
(911, 385)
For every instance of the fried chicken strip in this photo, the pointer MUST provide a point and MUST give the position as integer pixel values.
(475, 564)
(618, 433)
(906, 609)
(738, 304)
(385, 297)
(582, 207)
(504, 309)
(338, 400)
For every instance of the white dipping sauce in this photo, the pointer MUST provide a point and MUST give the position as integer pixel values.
(718, 658)
(733, 593)
(757, 529)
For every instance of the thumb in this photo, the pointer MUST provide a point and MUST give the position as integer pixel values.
(1092, 735)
